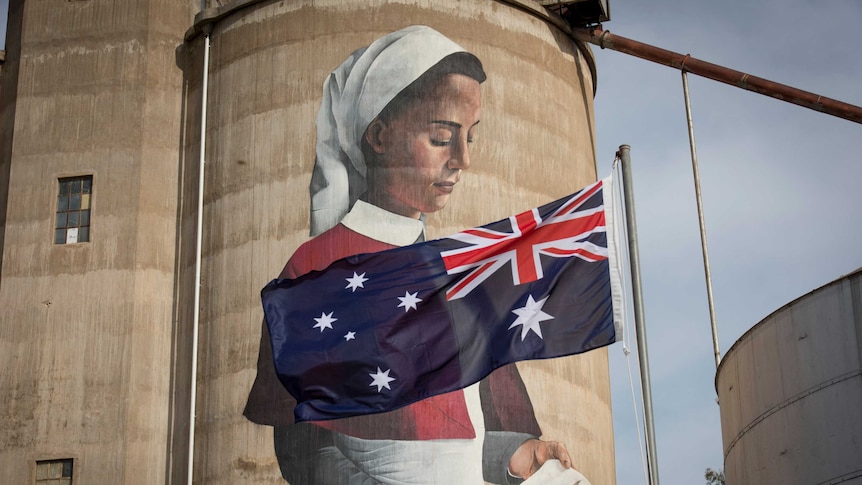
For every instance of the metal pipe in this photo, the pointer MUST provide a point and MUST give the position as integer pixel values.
(198, 254)
(700, 219)
(637, 301)
(606, 40)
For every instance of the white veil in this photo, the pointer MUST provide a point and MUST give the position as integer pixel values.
(353, 95)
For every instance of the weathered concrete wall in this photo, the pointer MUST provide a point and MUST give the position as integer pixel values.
(791, 392)
(268, 63)
(8, 94)
(86, 329)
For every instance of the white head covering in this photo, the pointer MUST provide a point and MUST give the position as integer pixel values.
(353, 95)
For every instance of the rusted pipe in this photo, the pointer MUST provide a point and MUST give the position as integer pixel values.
(606, 40)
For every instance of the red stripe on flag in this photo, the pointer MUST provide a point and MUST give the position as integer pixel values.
(479, 232)
(466, 281)
(527, 267)
(574, 203)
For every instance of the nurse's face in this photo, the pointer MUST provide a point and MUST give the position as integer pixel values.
(420, 153)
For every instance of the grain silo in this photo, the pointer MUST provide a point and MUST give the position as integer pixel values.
(791, 389)
(91, 134)
(112, 91)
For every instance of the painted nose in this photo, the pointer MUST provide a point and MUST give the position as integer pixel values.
(459, 157)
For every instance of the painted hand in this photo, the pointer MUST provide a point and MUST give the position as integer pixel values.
(533, 453)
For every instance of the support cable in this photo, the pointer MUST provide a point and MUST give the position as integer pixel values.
(706, 271)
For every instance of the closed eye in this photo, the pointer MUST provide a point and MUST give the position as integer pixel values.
(441, 136)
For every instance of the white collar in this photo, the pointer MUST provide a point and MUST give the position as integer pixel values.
(382, 225)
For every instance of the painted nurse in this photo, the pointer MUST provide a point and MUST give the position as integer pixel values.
(393, 140)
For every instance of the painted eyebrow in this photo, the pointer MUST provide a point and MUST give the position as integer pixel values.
(451, 123)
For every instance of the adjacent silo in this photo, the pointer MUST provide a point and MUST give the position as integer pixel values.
(791, 392)
(90, 114)
(267, 64)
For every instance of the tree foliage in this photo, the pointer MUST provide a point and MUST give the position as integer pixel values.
(714, 477)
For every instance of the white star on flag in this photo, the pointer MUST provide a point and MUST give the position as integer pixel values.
(408, 301)
(350, 336)
(355, 281)
(529, 316)
(324, 322)
(381, 379)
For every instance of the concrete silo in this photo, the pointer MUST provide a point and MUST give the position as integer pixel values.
(791, 392)
(268, 61)
(89, 90)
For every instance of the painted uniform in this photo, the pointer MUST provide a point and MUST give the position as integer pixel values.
(450, 438)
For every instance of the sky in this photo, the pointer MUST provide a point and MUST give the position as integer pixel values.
(4, 11)
(779, 185)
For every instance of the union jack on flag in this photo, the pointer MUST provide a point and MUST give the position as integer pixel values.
(438, 316)
(562, 234)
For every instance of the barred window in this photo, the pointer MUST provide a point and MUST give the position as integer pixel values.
(54, 472)
(72, 224)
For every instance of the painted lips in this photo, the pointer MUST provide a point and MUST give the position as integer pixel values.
(445, 186)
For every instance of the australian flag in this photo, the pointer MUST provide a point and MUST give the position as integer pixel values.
(375, 332)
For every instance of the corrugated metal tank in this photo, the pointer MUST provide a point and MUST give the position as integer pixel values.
(791, 392)
(268, 62)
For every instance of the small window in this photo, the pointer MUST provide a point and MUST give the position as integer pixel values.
(74, 199)
(54, 472)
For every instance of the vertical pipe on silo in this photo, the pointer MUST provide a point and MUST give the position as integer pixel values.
(198, 252)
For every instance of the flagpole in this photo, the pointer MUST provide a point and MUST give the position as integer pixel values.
(637, 301)
(707, 273)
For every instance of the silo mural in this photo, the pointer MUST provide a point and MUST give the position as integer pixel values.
(288, 159)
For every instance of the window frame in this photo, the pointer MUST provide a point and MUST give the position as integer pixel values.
(73, 209)
(64, 467)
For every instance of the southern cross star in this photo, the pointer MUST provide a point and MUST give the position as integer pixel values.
(408, 301)
(324, 322)
(529, 317)
(350, 336)
(355, 281)
(381, 379)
